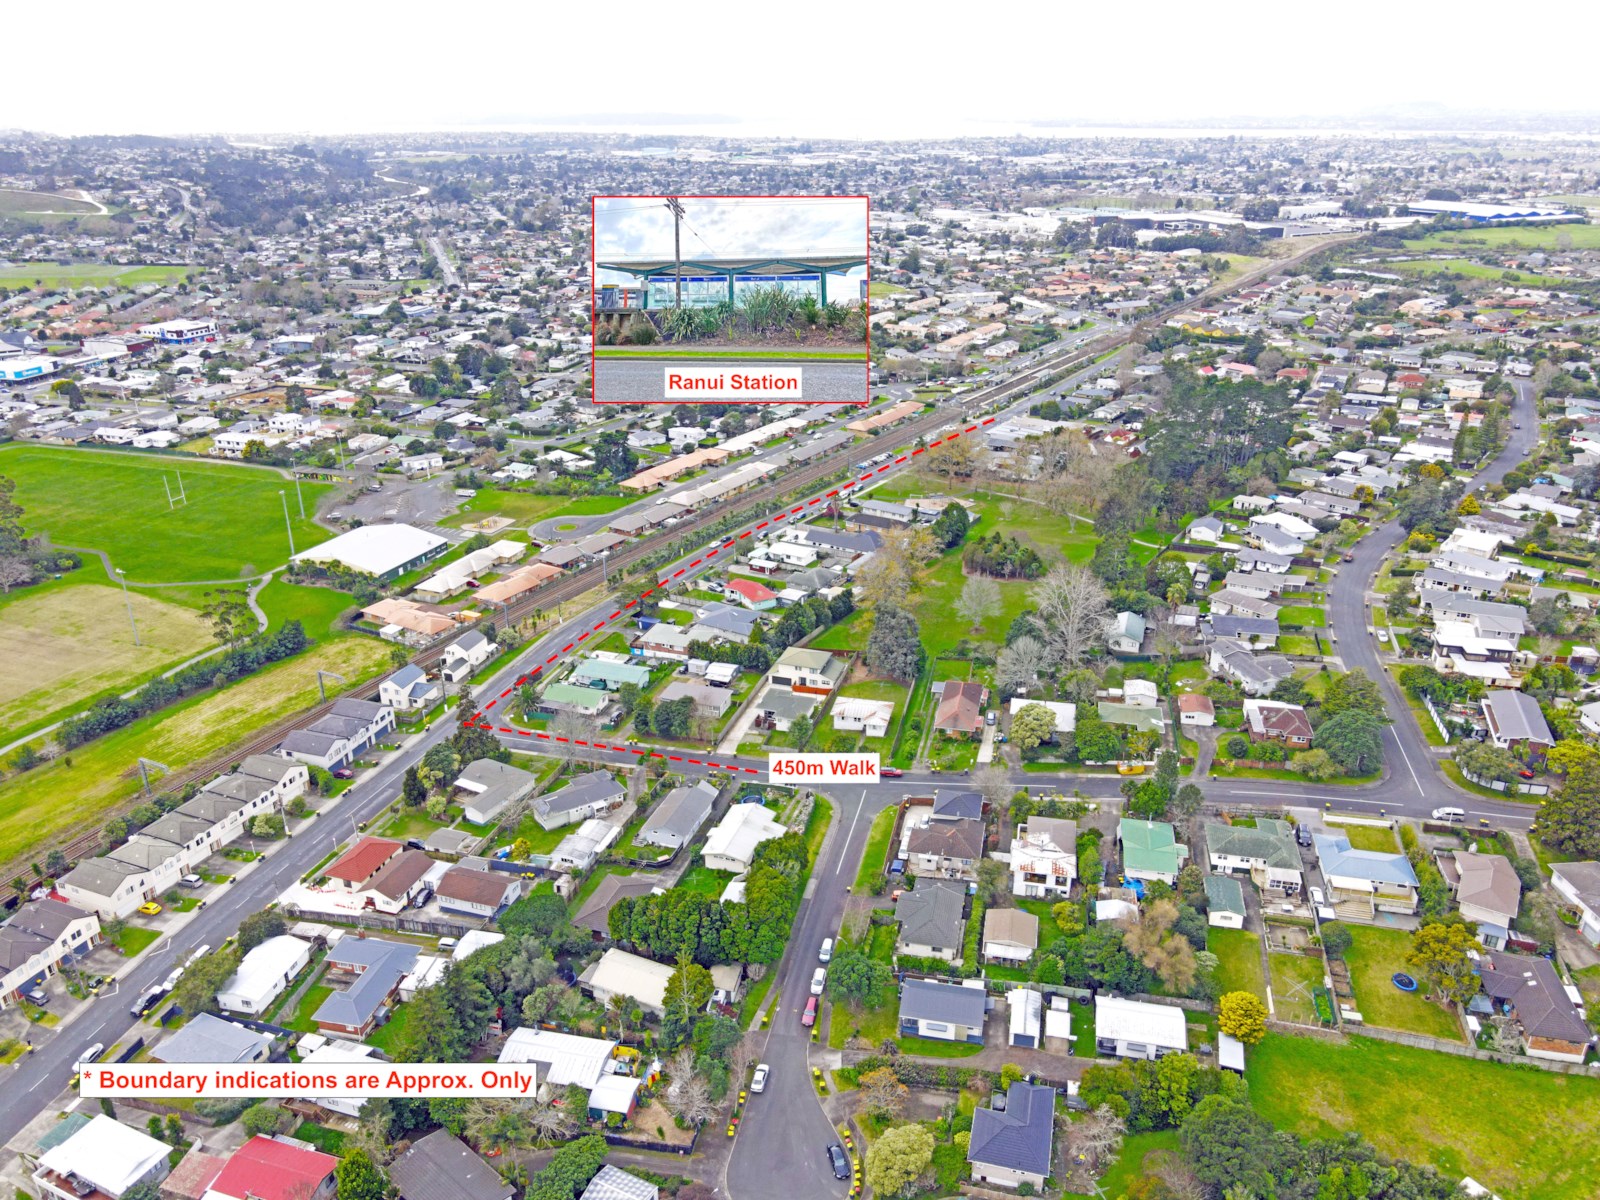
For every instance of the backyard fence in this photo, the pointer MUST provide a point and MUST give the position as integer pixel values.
(1438, 721)
(1500, 785)
(393, 923)
(1447, 1047)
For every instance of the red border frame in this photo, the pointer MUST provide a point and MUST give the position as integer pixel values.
(594, 303)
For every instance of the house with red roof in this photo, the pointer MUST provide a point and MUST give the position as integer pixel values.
(266, 1169)
(353, 870)
(752, 594)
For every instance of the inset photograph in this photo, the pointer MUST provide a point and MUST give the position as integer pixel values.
(730, 299)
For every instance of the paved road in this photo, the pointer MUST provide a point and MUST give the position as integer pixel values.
(448, 275)
(635, 381)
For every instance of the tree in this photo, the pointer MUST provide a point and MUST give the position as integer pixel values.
(1242, 1015)
(202, 979)
(1314, 764)
(1033, 725)
(883, 1094)
(894, 648)
(229, 613)
(688, 989)
(1353, 738)
(1567, 754)
(1152, 940)
(359, 1178)
(1569, 820)
(950, 527)
(1228, 1144)
(412, 790)
(688, 1095)
(897, 1158)
(1442, 954)
(859, 979)
(1019, 665)
(259, 1119)
(1353, 690)
(980, 600)
(1075, 609)
(994, 881)
(1099, 1135)
(258, 927)
(1336, 938)
(1486, 762)
(994, 785)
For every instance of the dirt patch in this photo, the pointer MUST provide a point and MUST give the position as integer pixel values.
(488, 525)
(652, 1121)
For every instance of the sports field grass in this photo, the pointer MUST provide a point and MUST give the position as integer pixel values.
(1475, 270)
(875, 288)
(231, 528)
(79, 790)
(20, 201)
(526, 507)
(316, 608)
(1520, 1132)
(64, 646)
(1544, 237)
(1239, 960)
(1374, 956)
(82, 275)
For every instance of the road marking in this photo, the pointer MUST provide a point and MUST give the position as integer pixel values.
(1407, 757)
(36, 1085)
(852, 829)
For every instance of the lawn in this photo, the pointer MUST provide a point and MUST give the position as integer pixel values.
(135, 938)
(389, 1036)
(1476, 270)
(934, 1048)
(81, 789)
(1128, 1168)
(316, 608)
(873, 1024)
(81, 275)
(1239, 960)
(1293, 977)
(1303, 614)
(67, 644)
(231, 527)
(542, 840)
(876, 288)
(1375, 955)
(410, 823)
(704, 881)
(1526, 1133)
(1370, 837)
(1049, 931)
(875, 856)
(301, 1021)
(1082, 1029)
(329, 1141)
(1584, 237)
(526, 507)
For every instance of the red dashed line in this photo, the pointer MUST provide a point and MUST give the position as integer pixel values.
(744, 535)
(491, 704)
(901, 459)
(763, 525)
(918, 451)
(675, 574)
(565, 649)
(507, 692)
(818, 500)
(675, 758)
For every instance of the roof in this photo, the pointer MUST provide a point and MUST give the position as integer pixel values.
(266, 967)
(680, 812)
(929, 1000)
(1337, 858)
(1271, 842)
(400, 874)
(386, 963)
(1514, 716)
(615, 1093)
(594, 787)
(788, 264)
(209, 1039)
(1195, 702)
(194, 1175)
(487, 888)
(751, 590)
(621, 973)
(1488, 881)
(960, 706)
(1148, 845)
(595, 913)
(107, 1154)
(1531, 986)
(375, 549)
(361, 862)
(1583, 878)
(266, 1169)
(930, 914)
(443, 1167)
(738, 834)
(1021, 1136)
(1224, 894)
(1120, 1020)
(949, 806)
(1271, 718)
(1012, 925)
(569, 1059)
(613, 1183)
(961, 838)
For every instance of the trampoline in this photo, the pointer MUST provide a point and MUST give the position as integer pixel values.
(1403, 981)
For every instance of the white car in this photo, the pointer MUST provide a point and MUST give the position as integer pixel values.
(1316, 896)
(1449, 814)
(92, 1054)
(759, 1082)
(819, 980)
(826, 953)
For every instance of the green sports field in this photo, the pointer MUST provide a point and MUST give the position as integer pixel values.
(81, 275)
(231, 528)
(1512, 237)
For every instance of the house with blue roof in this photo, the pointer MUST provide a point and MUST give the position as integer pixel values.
(370, 970)
(1011, 1144)
(1364, 883)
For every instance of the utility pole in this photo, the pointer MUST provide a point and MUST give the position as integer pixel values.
(299, 499)
(282, 495)
(126, 599)
(322, 690)
(677, 249)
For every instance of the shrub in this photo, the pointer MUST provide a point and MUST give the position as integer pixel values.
(1237, 746)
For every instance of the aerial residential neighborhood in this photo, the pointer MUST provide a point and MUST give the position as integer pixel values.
(1142, 744)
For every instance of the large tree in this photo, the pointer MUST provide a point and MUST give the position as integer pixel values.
(1353, 739)
(1569, 820)
(894, 648)
(1033, 725)
(1353, 690)
(857, 978)
(1443, 954)
(1019, 665)
(980, 600)
(1075, 610)
(897, 1158)
(1242, 1015)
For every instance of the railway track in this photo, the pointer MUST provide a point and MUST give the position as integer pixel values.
(788, 483)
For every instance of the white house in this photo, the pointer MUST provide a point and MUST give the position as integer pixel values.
(1135, 1029)
(1044, 858)
(263, 974)
(1579, 885)
(871, 717)
(410, 690)
(619, 973)
(42, 936)
(105, 1158)
(731, 846)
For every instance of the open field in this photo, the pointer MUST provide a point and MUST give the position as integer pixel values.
(1473, 270)
(1538, 1138)
(1512, 237)
(82, 275)
(524, 507)
(77, 791)
(21, 201)
(1374, 956)
(1239, 954)
(316, 608)
(231, 528)
(63, 646)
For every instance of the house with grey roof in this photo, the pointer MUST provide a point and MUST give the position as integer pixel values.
(586, 796)
(1515, 722)
(949, 1012)
(1579, 885)
(1266, 852)
(678, 816)
(209, 1039)
(1256, 674)
(1126, 633)
(1528, 989)
(372, 969)
(443, 1167)
(410, 690)
(779, 709)
(1011, 1145)
(491, 787)
(932, 919)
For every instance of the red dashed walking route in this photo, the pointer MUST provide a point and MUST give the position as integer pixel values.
(483, 719)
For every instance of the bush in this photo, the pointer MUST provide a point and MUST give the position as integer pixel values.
(222, 1112)
(1238, 746)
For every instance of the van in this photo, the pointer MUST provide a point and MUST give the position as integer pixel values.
(447, 943)
(826, 953)
(190, 881)
(1451, 815)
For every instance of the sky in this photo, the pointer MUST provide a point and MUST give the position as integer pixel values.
(825, 70)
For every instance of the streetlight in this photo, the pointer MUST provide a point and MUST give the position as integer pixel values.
(123, 579)
(299, 499)
(605, 568)
(284, 496)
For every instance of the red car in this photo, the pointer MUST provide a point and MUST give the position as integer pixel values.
(890, 772)
(344, 773)
(1526, 774)
(809, 1017)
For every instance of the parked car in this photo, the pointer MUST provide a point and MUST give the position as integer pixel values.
(447, 943)
(819, 980)
(1302, 835)
(37, 996)
(344, 773)
(826, 953)
(758, 1083)
(414, 844)
(92, 1054)
(149, 908)
(890, 772)
(1450, 814)
(1316, 896)
(838, 1161)
(809, 1017)
(190, 881)
(146, 1001)
(1525, 773)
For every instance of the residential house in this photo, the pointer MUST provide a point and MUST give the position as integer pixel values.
(678, 816)
(441, 1166)
(1044, 858)
(492, 787)
(731, 845)
(1487, 891)
(1459, 649)
(586, 796)
(594, 914)
(371, 970)
(563, 697)
(332, 741)
(619, 973)
(960, 710)
(1010, 936)
(1578, 883)
(932, 919)
(1256, 674)
(262, 975)
(564, 1059)
(663, 642)
(1196, 709)
(810, 672)
(1232, 602)
(464, 656)
(265, 1168)
(477, 893)
(35, 944)
(1125, 635)
(410, 690)
(945, 849)
(609, 674)
(1150, 850)
(1137, 1029)
(1515, 722)
(1363, 883)
(1225, 906)
(1271, 721)
(1011, 1145)
(709, 702)
(613, 1183)
(1064, 712)
(1529, 989)
(209, 1039)
(946, 1012)
(354, 870)
(753, 595)
(102, 1157)
(857, 714)
(1266, 852)
(582, 848)
(779, 709)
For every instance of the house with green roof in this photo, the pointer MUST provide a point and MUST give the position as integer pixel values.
(1265, 851)
(1224, 902)
(568, 697)
(610, 675)
(1150, 850)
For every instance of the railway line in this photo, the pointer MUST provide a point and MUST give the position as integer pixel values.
(789, 483)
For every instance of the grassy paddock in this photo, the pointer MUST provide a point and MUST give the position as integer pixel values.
(1239, 953)
(1374, 956)
(526, 507)
(83, 275)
